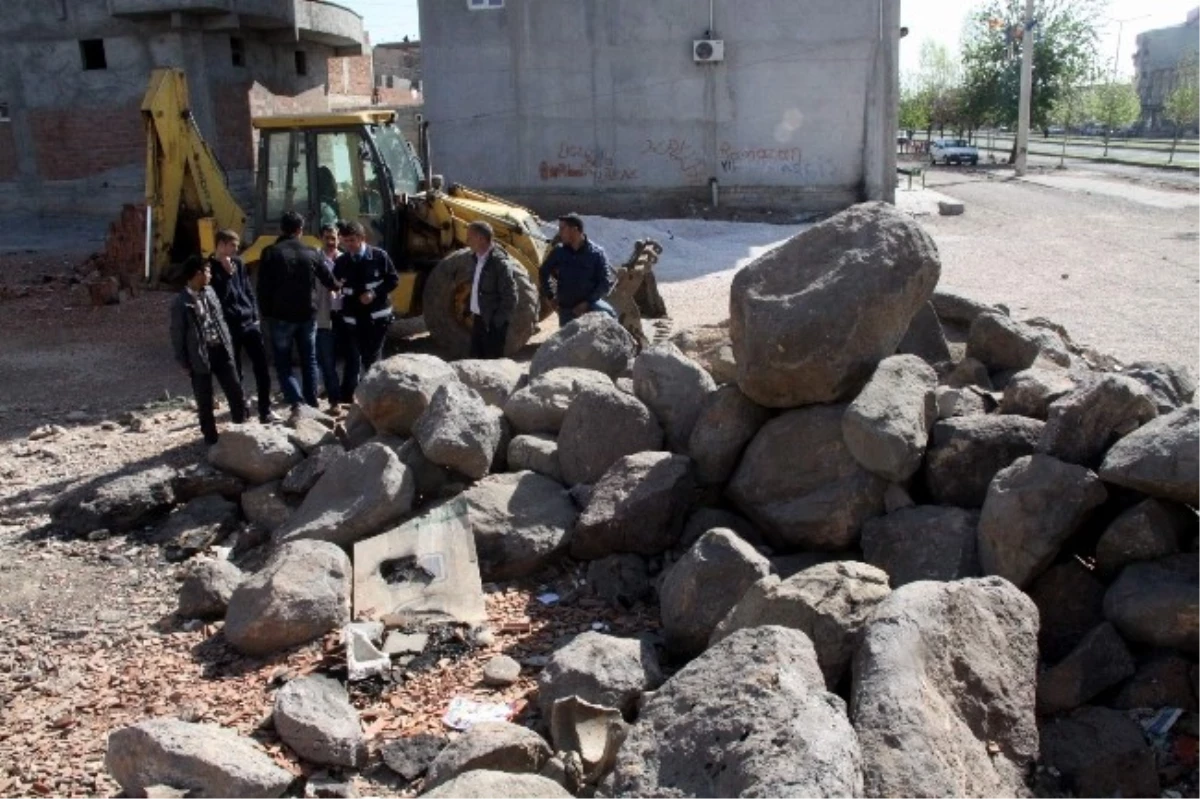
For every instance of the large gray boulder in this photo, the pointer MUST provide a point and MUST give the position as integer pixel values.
(602, 669)
(520, 522)
(966, 453)
(267, 506)
(1150, 530)
(593, 341)
(301, 593)
(711, 347)
(675, 388)
(201, 479)
(1002, 343)
(925, 337)
(602, 426)
(494, 379)
(1161, 458)
(1100, 752)
(314, 717)
(1100, 661)
(924, 542)
(494, 746)
(196, 526)
(1162, 680)
(535, 452)
(704, 519)
(257, 453)
(944, 690)
(304, 475)
(119, 505)
(957, 308)
(749, 717)
(488, 784)
(1172, 386)
(621, 581)
(811, 318)
(830, 603)
(704, 585)
(800, 484)
(208, 585)
(1032, 508)
(728, 421)
(886, 427)
(397, 390)
(364, 491)
(1155, 602)
(1030, 391)
(541, 406)
(1082, 425)
(637, 506)
(202, 759)
(459, 431)
(1070, 603)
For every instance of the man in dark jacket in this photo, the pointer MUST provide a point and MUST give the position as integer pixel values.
(287, 282)
(576, 275)
(493, 293)
(367, 277)
(231, 283)
(202, 347)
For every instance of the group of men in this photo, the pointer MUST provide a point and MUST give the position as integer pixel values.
(333, 304)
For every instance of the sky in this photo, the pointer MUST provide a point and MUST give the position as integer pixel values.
(940, 20)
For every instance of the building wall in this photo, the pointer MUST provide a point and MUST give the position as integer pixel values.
(598, 103)
(1156, 64)
(398, 72)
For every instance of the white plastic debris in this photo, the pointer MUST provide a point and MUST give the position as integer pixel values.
(464, 713)
(549, 598)
(363, 658)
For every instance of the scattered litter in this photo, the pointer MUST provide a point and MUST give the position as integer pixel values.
(399, 643)
(548, 598)
(600, 627)
(1162, 721)
(464, 713)
(363, 659)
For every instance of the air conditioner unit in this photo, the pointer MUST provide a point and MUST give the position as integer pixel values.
(708, 51)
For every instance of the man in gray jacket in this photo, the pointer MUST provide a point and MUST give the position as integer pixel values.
(493, 293)
(203, 348)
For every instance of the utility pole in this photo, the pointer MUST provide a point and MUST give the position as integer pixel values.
(1026, 89)
(1120, 30)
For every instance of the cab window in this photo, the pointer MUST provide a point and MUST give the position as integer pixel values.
(347, 184)
(401, 161)
(286, 174)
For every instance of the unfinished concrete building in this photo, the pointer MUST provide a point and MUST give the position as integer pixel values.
(1160, 55)
(73, 74)
(397, 72)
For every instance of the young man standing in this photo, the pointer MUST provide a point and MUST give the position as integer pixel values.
(202, 347)
(368, 277)
(231, 283)
(287, 285)
(580, 272)
(493, 293)
(329, 313)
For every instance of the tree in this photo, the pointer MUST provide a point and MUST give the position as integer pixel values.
(1069, 110)
(914, 111)
(1114, 105)
(938, 79)
(1183, 103)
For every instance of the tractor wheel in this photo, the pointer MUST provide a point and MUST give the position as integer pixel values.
(446, 303)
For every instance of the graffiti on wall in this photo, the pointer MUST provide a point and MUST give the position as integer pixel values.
(578, 161)
(736, 159)
(679, 154)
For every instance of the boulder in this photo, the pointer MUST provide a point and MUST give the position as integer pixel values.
(410, 756)
(124, 503)
(459, 430)
(830, 603)
(1099, 662)
(924, 542)
(1032, 508)
(968, 373)
(501, 672)
(356, 429)
(309, 434)
(601, 669)
(202, 759)
(704, 519)
(429, 479)
(952, 402)
(1172, 386)
(495, 746)
(703, 586)
(208, 584)
(314, 717)
(749, 717)
(301, 593)
(363, 492)
(593, 341)
(1070, 603)
(202, 479)
(1155, 602)
(1082, 425)
(620, 580)
(943, 691)
(1031, 391)
(925, 337)
(1100, 752)
(494, 380)
(1150, 530)
(304, 475)
(196, 526)
(602, 426)
(1161, 458)
(257, 453)
(955, 307)
(520, 522)
(486, 784)
(887, 425)
(897, 498)
(1162, 680)
(674, 388)
(810, 319)
(397, 390)
(967, 452)
(535, 453)
(799, 483)
(637, 506)
(1000, 342)
(728, 421)
(711, 347)
(541, 406)
(267, 506)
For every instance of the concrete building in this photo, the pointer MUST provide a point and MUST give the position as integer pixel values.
(397, 72)
(73, 74)
(617, 105)
(1156, 66)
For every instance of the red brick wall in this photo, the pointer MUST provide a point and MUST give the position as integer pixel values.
(353, 76)
(79, 142)
(8, 152)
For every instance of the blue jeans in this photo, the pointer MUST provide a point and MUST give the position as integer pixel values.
(301, 335)
(566, 315)
(327, 362)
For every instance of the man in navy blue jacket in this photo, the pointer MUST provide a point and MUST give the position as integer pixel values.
(367, 277)
(576, 276)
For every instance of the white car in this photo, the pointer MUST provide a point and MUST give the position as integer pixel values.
(953, 151)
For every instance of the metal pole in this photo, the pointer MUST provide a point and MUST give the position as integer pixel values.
(1026, 90)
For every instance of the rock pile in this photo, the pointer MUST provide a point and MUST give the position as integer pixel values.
(901, 536)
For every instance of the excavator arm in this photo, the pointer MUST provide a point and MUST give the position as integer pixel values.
(185, 184)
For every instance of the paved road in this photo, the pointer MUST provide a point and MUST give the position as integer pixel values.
(1115, 263)
(1186, 154)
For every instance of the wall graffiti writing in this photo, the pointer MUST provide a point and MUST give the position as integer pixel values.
(733, 158)
(680, 153)
(577, 161)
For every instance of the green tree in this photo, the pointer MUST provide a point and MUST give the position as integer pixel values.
(938, 80)
(914, 110)
(1069, 110)
(1114, 105)
(1183, 103)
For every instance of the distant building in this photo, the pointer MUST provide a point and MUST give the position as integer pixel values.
(397, 72)
(1156, 65)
